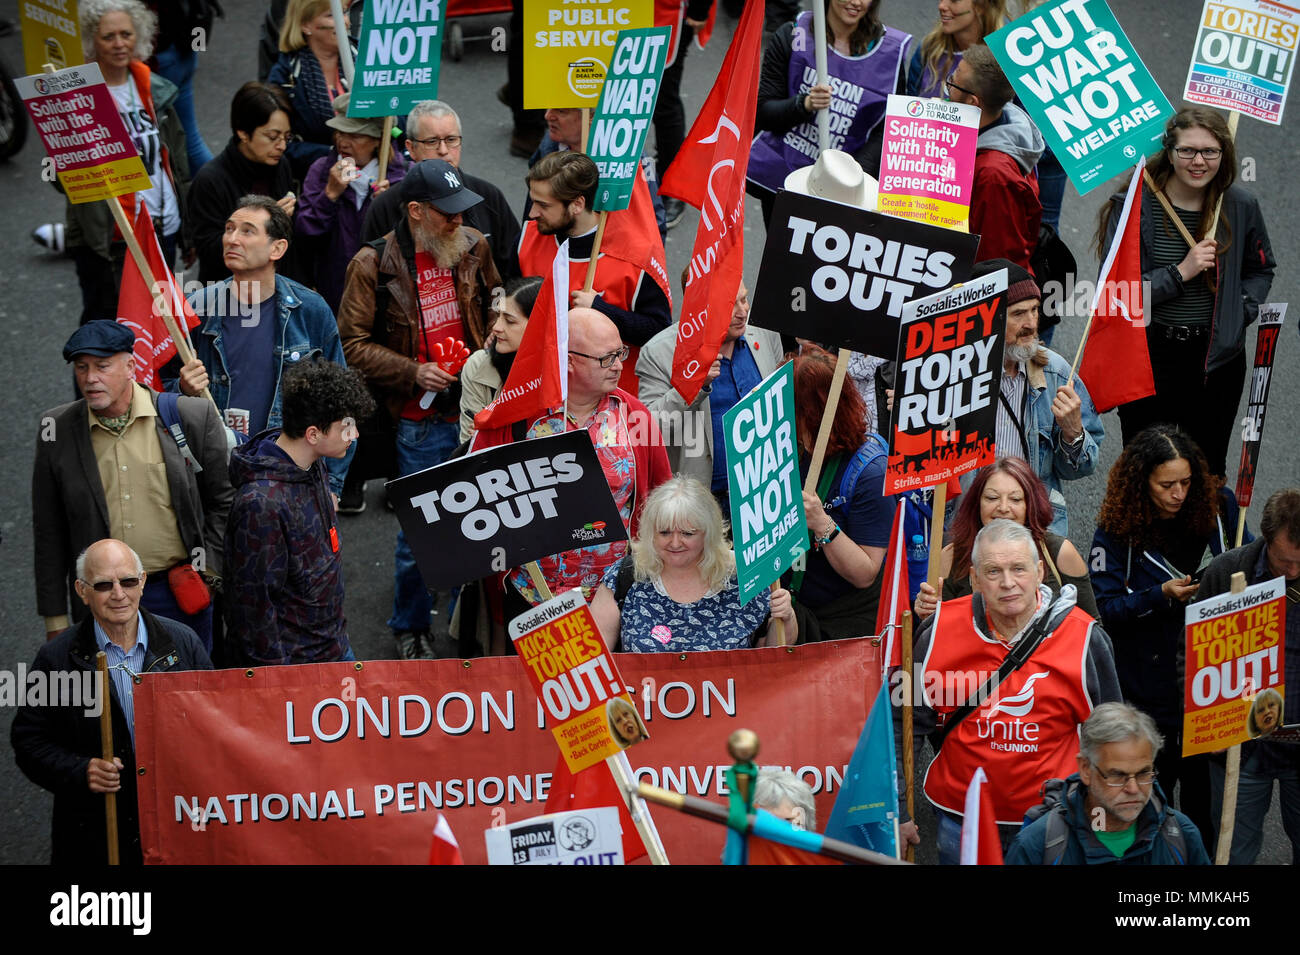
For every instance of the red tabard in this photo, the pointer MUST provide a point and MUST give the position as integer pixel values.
(1027, 733)
(616, 281)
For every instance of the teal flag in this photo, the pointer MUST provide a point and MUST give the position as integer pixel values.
(866, 810)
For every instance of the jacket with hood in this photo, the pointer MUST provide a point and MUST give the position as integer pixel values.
(1005, 211)
(1150, 846)
(284, 570)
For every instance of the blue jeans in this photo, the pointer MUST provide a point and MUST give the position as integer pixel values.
(158, 600)
(1051, 189)
(420, 445)
(178, 66)
(1254, 796)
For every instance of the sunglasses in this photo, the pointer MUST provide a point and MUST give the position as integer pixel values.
(106, 586)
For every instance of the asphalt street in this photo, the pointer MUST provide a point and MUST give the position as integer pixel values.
(40, 303)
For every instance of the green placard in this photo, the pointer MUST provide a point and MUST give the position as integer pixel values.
(1082, 82)
(398, 57)
(627, 104)
(767, 519)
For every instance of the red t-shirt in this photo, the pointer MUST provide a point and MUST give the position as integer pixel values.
(439, 319)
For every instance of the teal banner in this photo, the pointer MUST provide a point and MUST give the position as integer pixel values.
(398, 57)
(1082, 82)
(627, 104)
(767, 519)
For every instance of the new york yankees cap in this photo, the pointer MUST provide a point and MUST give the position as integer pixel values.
(438, 183)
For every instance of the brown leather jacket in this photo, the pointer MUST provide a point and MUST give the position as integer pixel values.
(389, 362)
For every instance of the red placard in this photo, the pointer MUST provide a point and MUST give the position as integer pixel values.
(463, 737)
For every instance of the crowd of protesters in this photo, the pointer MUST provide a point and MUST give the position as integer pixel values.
(329, 280)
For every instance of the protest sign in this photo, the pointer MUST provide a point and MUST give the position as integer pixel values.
(1244, 54)
(627, 104)
(839, 275)
(51, 34)
(1084, 86)
(350, 763)
(1271, 318)
(577, 837)
(576, 679)
(399, 56)
(1234, 684)
(83, 133)
(474, 516)
(767, 519)
(567, 47)
(928, 160)
(945, 402)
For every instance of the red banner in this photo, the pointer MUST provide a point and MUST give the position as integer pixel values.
(350, 763)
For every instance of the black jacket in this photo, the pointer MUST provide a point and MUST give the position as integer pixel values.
(53, 745)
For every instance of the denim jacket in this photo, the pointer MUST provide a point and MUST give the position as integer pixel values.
(1051, 458)
(307, 330)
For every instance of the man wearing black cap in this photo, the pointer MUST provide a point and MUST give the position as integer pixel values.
(432, 279)
(1045, 417)
(109, 465)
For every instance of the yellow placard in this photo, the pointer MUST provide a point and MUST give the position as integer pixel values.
(50, 34)
(567, 46)
(99, 182)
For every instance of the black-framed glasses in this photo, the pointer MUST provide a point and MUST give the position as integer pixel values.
(1116, 779)
(106, 586)
(949, 85)
(435, 141)
(606, 360)
(1188, 153)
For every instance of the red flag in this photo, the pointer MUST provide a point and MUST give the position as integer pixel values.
(539, 378)
(1116, 365)
(766, 852)
(590, 789)
(444, 850)
(135, 305)
(709, 173)
(980, 844)
(895, 592)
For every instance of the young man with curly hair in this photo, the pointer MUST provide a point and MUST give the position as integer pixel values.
(285, 572)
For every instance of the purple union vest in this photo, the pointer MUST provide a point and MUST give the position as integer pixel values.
(859, 86)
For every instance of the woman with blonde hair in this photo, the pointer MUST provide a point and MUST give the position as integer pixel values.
(961, 24)
(676, 588)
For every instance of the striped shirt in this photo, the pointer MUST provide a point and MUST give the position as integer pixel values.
(1195, 304)
(122, 665)
(1010, 439)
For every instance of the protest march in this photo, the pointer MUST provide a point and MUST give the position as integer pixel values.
(391, 522)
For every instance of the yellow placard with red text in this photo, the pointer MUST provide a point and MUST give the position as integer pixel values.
(1233, 689)
(575, 678)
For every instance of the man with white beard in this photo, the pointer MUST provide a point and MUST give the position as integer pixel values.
(1043, 417)
(432, 279)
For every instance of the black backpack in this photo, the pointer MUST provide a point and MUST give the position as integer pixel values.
(1053, 265)
(1054, 806)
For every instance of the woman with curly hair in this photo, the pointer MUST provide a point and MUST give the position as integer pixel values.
(1160, 513)
(1008, 489)
(837, 592)
(1201, 299)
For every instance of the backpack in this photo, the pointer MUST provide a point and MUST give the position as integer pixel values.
(1053, 266)
(1054, 806)
(169, 412)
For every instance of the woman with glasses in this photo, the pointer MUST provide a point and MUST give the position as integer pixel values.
(118, 36)
(309, 72)
(1160, 514)
(253, 163)
(865, 61)
(1203, 294)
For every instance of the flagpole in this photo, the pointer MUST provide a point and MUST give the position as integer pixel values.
(909, 769)
(588, 284)
(345, 45)
(106, 751)
(823, 77)
(1232, 772)
(385, 148)
(618, 765)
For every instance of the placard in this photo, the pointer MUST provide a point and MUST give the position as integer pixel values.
(927, 164)
(1271, 318)
(627, 105)
(1244, 56)
(576, 837)
(949, 363)
(567, 48)
(51, 34)
(486, 512)
(839, 275)
(1233, 690)
(399, 56)
(1084, 86)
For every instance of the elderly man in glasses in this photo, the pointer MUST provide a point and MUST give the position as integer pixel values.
(1112, 810)
(56, 738)
(627, 442)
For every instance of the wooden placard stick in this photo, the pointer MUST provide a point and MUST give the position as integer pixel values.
(106, 752)
(586, 126)
(385, 147)
(828, 421)
(1241, 526)
(589, 283)
(1232, 772)
(909, 768)
(938, 505)
(780, 624)
(618, 765)
(1168, 207)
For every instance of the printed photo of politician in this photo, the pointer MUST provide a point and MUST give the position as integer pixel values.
(624, 722)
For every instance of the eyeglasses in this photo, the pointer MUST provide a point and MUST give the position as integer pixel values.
(106, 586)
(1116, 779)
(274, 138)
(1188, 153)
(607, 360)
(435, 141)
(947, 92)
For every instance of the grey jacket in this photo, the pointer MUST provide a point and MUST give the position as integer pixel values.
(1244, 273)
(70, 512)
(682, 424)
